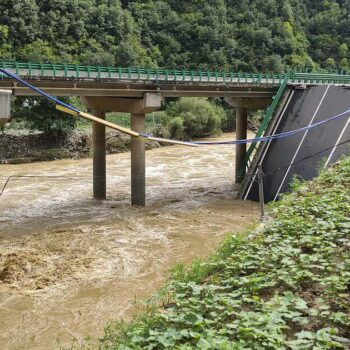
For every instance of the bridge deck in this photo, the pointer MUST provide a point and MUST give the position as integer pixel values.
(304, 154)
(77, 80)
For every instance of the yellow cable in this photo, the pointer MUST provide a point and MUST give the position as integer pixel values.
(113, 126)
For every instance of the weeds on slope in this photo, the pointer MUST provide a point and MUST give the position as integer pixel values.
(285, 286)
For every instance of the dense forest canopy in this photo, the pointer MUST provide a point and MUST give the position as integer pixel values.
(215, 34)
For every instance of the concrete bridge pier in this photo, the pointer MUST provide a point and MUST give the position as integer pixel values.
(241, 134)
(138, 162)
(99, 157)
(5, 105)
(242, 105)
(137, 107)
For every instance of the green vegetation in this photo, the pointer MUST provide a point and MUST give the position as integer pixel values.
(194, 117)
(220, 34)
(183, 119)
(255, 35)
(40, 114)
(153, 120)
(285, 285)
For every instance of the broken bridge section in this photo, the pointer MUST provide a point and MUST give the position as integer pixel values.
(304, 154)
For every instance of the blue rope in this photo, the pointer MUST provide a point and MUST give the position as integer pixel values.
(234, 142)
(276, 136)
(40, 92)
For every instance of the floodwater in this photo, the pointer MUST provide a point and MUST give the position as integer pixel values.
(69, 264)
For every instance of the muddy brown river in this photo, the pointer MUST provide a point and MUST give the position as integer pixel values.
(69, 264)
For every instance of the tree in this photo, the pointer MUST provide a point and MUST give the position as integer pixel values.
(40, 114)
(194, 117)
(343, 51)
(38, 51)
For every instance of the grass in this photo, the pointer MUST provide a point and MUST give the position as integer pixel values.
(284, 285)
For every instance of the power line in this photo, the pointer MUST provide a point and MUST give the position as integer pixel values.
(11, 177)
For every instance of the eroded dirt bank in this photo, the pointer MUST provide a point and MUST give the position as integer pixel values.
(68, 264)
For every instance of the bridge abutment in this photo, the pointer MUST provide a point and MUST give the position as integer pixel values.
(5, 105)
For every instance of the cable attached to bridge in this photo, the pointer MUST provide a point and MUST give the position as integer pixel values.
(75, 112)
(276, 136)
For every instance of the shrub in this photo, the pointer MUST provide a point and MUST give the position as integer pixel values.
(39, 114)
(176, 128)
(194, 117)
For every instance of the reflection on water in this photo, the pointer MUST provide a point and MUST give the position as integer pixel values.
(68, 264)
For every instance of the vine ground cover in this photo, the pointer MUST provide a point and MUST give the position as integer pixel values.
(284, 285)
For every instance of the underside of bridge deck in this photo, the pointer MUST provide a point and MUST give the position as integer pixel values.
(74, 87)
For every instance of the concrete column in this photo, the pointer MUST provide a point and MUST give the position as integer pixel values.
(138, 164)
(241, 133)
(99, 157)
(5, 102)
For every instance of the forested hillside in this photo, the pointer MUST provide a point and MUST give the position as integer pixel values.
(215, 34)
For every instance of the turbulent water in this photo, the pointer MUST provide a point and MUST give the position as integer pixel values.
(69, 264)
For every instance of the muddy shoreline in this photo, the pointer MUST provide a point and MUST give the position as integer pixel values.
(21, 148)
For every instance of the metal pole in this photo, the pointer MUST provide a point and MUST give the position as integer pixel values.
(261, 191)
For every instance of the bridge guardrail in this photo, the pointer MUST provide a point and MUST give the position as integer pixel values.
(131, 73)
(155, 74)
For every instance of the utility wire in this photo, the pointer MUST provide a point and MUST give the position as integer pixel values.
(11, 177)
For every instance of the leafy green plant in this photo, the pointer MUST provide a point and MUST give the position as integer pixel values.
(281, 286)
(39, 114)
(194, 117)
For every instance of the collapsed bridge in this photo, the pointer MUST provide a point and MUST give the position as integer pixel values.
(304, 154)
(292, 100)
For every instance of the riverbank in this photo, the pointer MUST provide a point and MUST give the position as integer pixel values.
(24, 147)
(284, 285)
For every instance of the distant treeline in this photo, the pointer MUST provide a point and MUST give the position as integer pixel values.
(216, 34)
(245, 35)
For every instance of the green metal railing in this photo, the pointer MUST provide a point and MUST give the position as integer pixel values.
(99, 72)
(263, 126)
(154, 74)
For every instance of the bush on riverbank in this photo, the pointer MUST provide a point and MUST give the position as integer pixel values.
(39, 114)
(285, 285)
(184, 118)
(191, 117)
